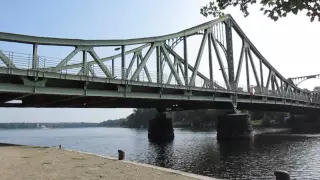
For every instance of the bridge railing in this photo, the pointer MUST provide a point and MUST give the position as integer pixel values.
(24, 61)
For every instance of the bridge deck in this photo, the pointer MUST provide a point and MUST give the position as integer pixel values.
(72, 91)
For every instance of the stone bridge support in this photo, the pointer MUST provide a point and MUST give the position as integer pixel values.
(160, 128)
(234, 126)
(304, 123)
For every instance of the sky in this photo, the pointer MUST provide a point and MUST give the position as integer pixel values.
(290, 44)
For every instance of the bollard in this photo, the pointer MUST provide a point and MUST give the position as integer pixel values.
(282, 175)
(121, 155)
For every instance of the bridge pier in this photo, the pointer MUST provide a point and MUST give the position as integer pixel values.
(160, 128)
(234, 126)
(304, 123)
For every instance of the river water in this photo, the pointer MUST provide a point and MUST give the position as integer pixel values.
(191, 151)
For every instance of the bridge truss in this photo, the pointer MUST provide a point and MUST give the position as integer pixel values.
(168, 55)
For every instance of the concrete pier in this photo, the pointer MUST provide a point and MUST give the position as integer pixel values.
(234, 126)
(160, 128)
(308, 123)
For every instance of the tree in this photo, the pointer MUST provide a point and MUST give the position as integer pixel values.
(316, 89)
(274, 9)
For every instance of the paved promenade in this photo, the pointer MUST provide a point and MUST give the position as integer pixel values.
(39, 163)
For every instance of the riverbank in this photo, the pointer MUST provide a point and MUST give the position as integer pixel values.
(29, 163)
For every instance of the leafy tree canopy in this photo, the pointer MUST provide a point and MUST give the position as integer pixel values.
(274, 9)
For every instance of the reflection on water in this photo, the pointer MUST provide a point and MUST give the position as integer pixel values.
(191, 151)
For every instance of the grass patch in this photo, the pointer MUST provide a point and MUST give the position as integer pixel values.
(76, 158)
(25, 157)
(79, 166)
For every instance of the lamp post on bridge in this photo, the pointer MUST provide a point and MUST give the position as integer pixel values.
(115, 49)
(123, 61)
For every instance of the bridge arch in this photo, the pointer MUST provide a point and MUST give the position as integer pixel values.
(298, 80)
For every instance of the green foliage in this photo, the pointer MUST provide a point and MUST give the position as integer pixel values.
(274, 9)
(198, 118)
(113, 123)
(140, 118)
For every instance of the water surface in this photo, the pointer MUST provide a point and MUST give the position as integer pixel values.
(191, 151)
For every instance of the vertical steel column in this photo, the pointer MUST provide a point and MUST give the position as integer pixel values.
(228, 28)
(123, 62)
(158, 64)
(176, 60)
(185, 53)
(247, 69)
(261, 76)
(112, 62)
(35, 57)
(272, 84)
(138, 67)
(84, 61)
(210, 60)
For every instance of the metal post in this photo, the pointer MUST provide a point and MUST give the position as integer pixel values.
(176, 60)
(261, 76)
(210, 61)
(162, 64)
(247, 69)
(228, 27)
(35, 57)
(185, 51)
(137, 68)
(123, 62)
(272, 84)
(84, 61)
(158, 64)
(112, 62)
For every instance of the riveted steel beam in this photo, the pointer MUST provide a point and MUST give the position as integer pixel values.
(131, 64)
(6, 60)
(65, 60)
(254, 68)
(198, 60)
(145, 68)
(240, 64)
(222, 68)
(172, 67)
(143, 62)
(210, 58)
(100, 64)
(190, 66)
